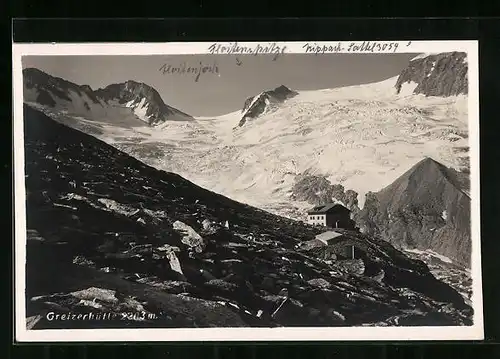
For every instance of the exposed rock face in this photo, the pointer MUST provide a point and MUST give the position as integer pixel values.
(100, 224)
(426, 208)
(141, 99)
(442, 74)
(265, 102)
(137, 95)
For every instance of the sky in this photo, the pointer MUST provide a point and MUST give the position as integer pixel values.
(232, 78)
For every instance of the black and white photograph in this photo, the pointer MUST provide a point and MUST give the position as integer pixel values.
(247, 191)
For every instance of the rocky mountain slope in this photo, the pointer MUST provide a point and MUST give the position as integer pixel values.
(109, 234)
(442, 74)
(428, 207)
(131, 102)
(265, 102)
(361, 137)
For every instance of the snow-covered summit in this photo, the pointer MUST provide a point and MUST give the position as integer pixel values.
(143, 99)
(127, 102)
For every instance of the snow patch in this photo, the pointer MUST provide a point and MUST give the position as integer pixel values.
(335, 200)
(440, 256)
(141, 109)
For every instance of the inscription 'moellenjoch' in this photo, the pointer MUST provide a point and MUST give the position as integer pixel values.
(184, 68)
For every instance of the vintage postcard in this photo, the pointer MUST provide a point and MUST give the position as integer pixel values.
(247, 191)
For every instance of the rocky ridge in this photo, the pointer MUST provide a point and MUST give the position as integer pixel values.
(443, 74)
(140, 100)
(265, 102)
(157, 250)
(318, 190)
(428, 207)
(135, 95)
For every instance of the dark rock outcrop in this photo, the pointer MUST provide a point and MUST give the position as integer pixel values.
(442, 74)
(108, 234)
(317, 190)
(265, 102)
(426, 208)
(45, 99)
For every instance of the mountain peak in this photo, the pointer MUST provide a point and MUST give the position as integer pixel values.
(34, 75)
(33, 70)
(425, 208)
(427, 166)
(443, 74)
(47, 88)
(428, 161)
(87, 88)
(137, 83)
(266, 101)
(180, 226)
(283, 88)
(430, 171)
(144, 101)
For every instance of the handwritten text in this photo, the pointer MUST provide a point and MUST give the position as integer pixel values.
(195, 71)
(259, 49)
(363, 47)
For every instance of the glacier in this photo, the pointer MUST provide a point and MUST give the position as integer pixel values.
(363, 137)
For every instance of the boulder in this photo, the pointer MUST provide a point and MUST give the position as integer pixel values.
(319, 283)
(353, 266)
(168, 248)
(93, 293)
(334, 316)
(81, 260)
(131, 304)
(169, 252)
(189, 236)
(174, 262)
(170, 286)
